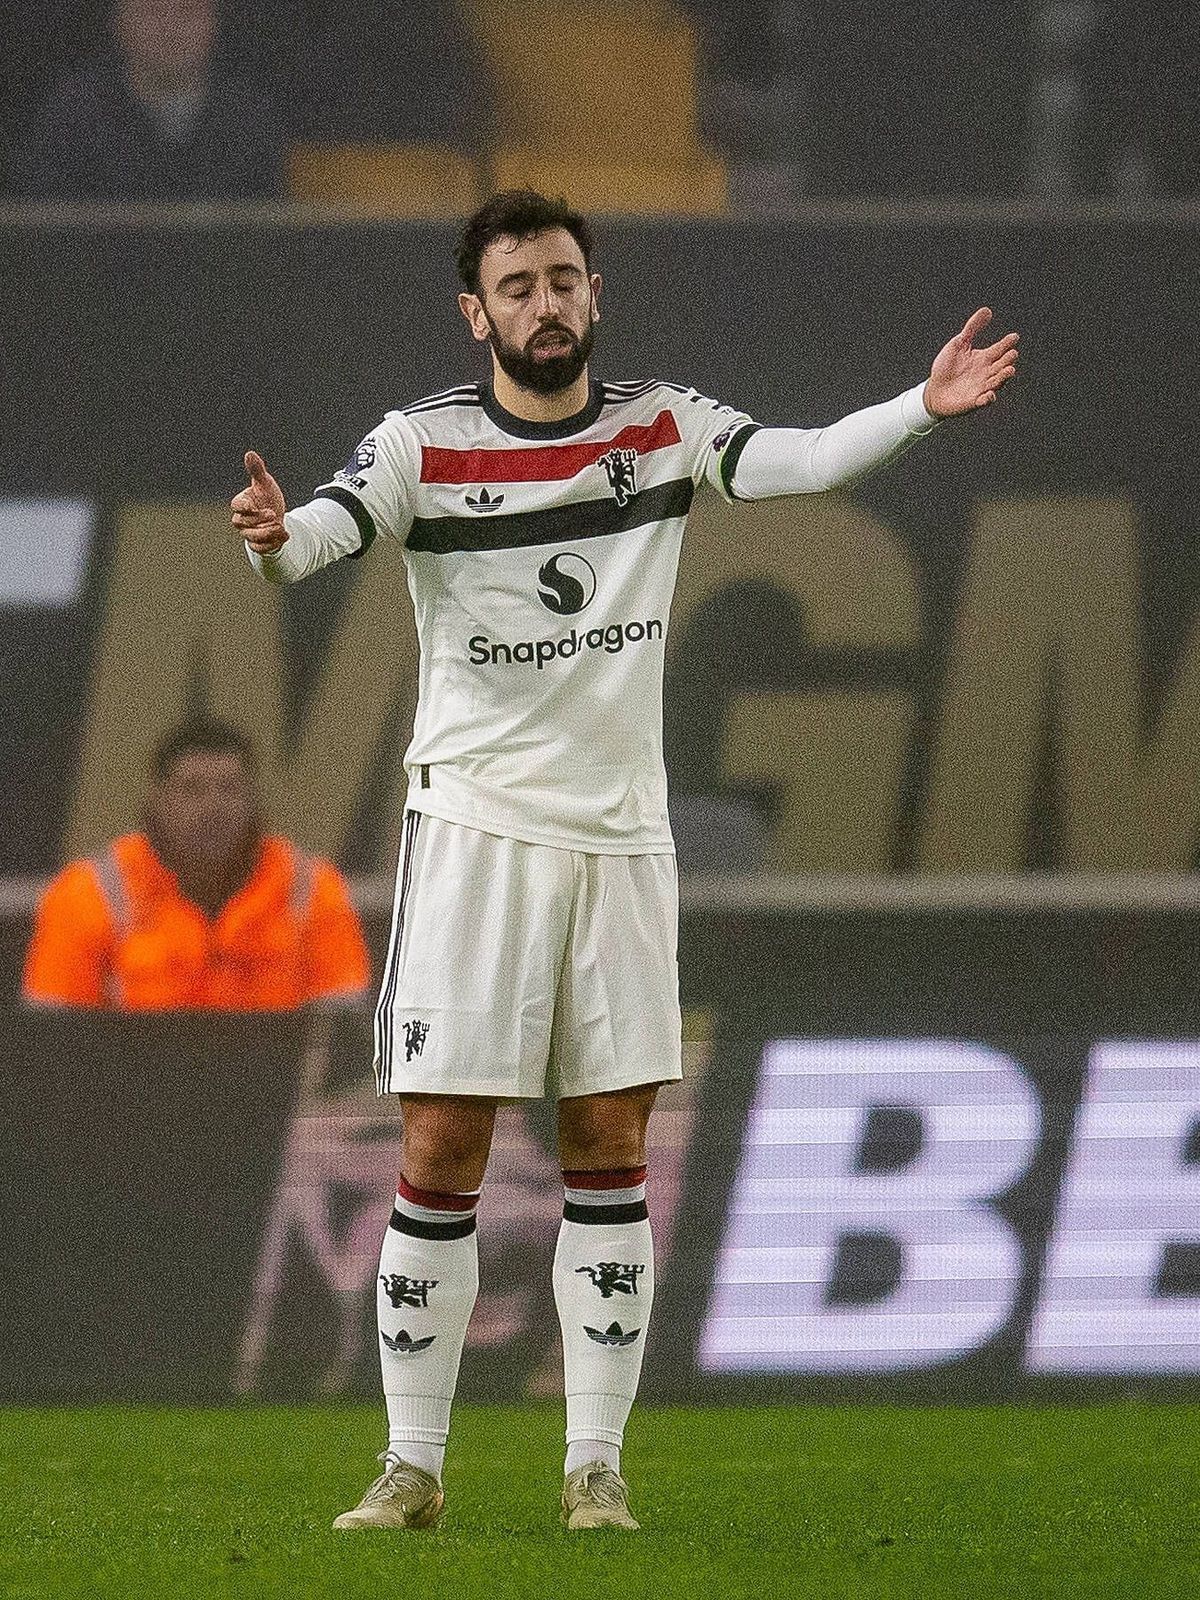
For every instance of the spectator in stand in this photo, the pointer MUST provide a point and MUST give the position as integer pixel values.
(202, 910)
(154, 118)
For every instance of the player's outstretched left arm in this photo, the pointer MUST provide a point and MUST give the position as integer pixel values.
(963, 378)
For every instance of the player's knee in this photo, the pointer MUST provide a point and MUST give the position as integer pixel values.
(446, 1144)
(604, 1131)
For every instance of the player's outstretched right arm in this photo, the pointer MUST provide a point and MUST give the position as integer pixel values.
(284, 545)
(259, 509)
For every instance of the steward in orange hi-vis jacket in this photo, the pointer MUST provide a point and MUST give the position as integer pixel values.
(200, 911)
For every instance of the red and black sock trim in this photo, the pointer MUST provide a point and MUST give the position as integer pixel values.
(431, 1214)
(601, 1198)
(417, 1228)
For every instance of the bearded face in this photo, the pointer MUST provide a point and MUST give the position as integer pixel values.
(535, 305)
(548, 361)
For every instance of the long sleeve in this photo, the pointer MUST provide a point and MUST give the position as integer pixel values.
(317, 533)
(372, 494)
(779, 461)
(71, 954)
(338, 965)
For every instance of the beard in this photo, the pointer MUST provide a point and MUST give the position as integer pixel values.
(544, 374)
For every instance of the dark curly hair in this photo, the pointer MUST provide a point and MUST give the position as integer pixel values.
(516, 214)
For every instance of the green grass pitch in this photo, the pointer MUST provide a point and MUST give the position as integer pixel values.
(856, 1501)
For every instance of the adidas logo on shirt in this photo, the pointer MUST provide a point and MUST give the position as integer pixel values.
(485, 501)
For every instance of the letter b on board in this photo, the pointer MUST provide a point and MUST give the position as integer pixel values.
(859, 1236)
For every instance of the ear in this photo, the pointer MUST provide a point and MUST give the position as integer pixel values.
(471, 307)
(597, 285)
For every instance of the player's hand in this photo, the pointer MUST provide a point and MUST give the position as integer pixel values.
(962, 378)
(258, 509)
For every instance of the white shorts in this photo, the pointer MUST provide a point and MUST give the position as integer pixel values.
(517, 970)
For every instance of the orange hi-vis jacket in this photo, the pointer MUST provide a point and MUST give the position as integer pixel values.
(114, 931)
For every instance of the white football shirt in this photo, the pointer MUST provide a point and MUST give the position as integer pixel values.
(541, 561)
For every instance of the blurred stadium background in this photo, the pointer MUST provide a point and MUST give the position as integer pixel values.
(933, 744)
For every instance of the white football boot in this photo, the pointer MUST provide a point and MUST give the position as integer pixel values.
(594, 1496)
(403, 1496)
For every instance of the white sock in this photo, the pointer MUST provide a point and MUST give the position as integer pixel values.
(428, 1281)
(581, 1451)
(603, 1288)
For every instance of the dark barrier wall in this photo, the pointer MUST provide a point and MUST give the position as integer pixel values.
(139, 1158)
(984, 658)
(951, 1155)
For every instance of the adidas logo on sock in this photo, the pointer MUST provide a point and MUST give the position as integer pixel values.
(404, 1345)
(613, 1334)
(485, 501)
